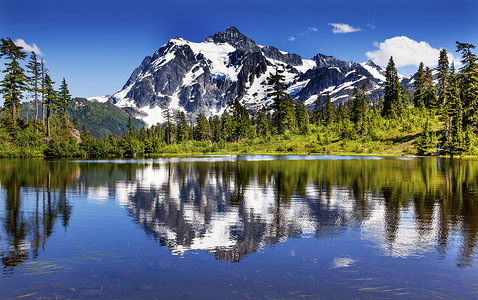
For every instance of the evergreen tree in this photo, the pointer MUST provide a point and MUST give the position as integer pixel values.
(241, 124)
(419, 88)
(360, 109)
(43, 72)
(64, 100)
(392, 99)
(50, 101)
(34, 69)
(168, 126)
(429, 95)
(468, 83)
(281, 105)
(202, 131)
(318, 111)
(442, 76)
(425, 142)
(329, 114)
(182, 128)
(455, 141)
(215, 124)
(301, 116)
(129, 127)
(262, 122)
(14, 82)
(289, 121)
(226, 126)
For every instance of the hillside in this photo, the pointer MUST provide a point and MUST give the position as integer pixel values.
(100, 119)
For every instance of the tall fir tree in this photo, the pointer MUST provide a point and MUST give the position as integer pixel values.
(168, 125)
(241, 122)
(392, 99)
(318, 111)
(302, 117)
(43, 72)
(360, 109)
(419, 88)
(226, 126)
(64, 101)
(215, 125)
(262, 122)
(14, 82)
(425, 142)
(288, 115)
(280, 105)
(202, 130)
(34, 79)
(182, 128)
(329, 114)
(442, 76)
(50, 102)
(429, 94)
(468, 83)
(456, 140)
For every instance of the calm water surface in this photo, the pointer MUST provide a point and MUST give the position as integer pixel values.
(246, 227)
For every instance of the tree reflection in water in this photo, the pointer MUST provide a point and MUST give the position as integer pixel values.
(233, 208)
(34, 197)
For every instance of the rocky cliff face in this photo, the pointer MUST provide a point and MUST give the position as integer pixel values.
(204, 77)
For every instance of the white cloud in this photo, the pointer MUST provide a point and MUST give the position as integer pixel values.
(371, 26)
(406, 52)
(291, 39)
(313, 29)
(29, 48)
(343, 28)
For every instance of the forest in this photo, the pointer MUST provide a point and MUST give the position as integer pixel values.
(438, 116)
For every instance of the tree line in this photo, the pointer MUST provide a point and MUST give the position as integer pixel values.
(50, 123)
(440, 116)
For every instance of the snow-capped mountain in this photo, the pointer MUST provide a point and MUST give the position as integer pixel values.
(204, 77)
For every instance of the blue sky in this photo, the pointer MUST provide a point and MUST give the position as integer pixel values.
(96, 44)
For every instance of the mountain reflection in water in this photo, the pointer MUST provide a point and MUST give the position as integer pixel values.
(235, 207)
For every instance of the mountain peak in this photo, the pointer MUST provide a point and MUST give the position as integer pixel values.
(235, 38)
(372, 64)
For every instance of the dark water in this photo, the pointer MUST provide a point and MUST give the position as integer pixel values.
(249, 227)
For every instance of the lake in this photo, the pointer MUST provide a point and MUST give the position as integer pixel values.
(239, 227)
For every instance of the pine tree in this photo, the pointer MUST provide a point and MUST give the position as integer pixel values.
(276, 91)
(419, 88)
(360, 109)
(455, 141)
(429, 95)
(241, 124)
(226, 126)
(301, 116)
(288, 115)
(168, 125)
(34, 69)
(468, 83)
(182, 128)
(329, 114)
(202, 130)
(442, 76)
(43, 72)
(262, 122)
(50, 101)
(392, 99)
(64, 100)
(215, 124)
(318, 111)
(425, 142)
(15, 82)
(129, 127)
